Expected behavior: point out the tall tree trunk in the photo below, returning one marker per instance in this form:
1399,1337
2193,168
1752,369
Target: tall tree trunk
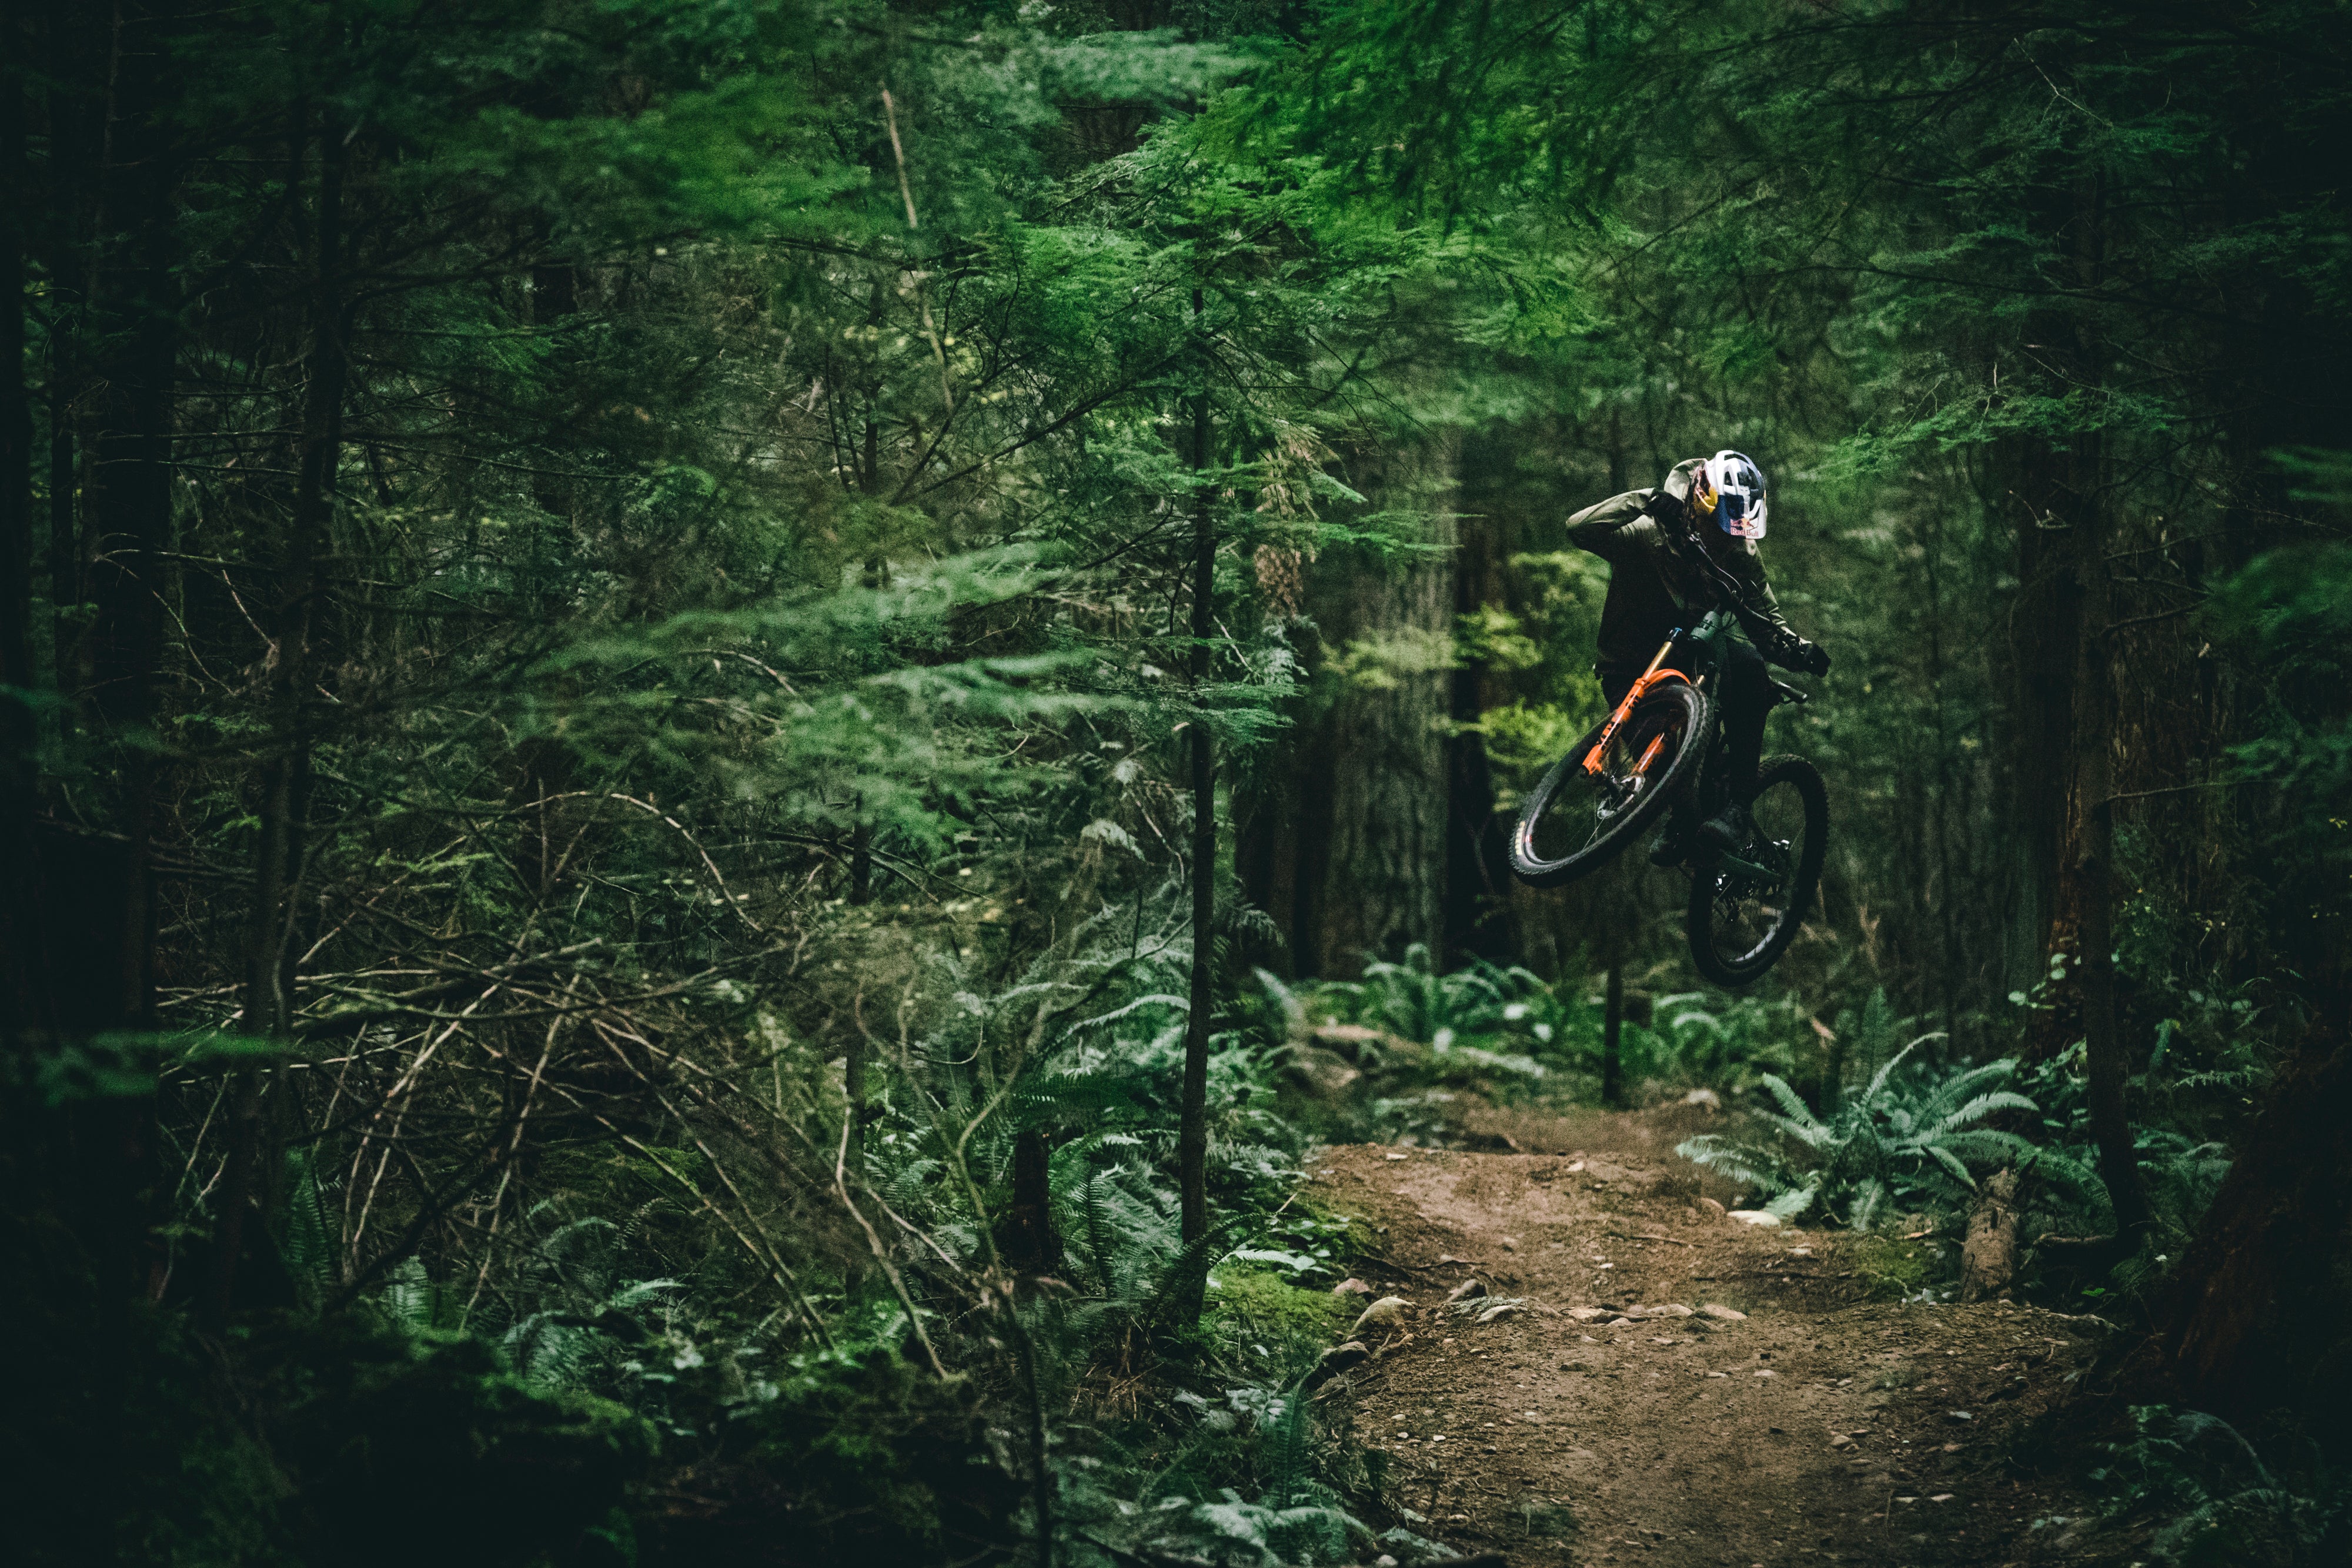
2244,1308
875,579
21,980
16,415
1193,1124
1026,1236
129,489
115,163
1374,815
75,59
2045,655
1478,922
268,1002
2107,1059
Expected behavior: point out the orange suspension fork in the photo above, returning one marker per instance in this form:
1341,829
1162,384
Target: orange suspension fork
1650,677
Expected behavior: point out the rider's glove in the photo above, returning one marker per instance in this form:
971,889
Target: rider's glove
1811,658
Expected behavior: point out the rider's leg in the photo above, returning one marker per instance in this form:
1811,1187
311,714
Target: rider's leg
1746,698
1746,693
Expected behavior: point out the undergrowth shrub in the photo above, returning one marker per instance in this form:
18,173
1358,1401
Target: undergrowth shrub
1412,1000
1701,1040
1910,1139
1283,1325
1500,1030
354,1440
2180,1172
1246,1479
2215,1500
369,1422
1892,1268
847,1458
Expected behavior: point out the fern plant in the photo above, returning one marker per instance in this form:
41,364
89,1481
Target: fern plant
1256,1435
306,1237
586,1313
1717,1043
1411,999
1907,1136
2221,1501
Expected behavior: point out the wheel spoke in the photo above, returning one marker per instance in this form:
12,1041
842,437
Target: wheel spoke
1577,820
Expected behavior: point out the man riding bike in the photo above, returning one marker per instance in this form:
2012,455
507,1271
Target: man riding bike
1673,553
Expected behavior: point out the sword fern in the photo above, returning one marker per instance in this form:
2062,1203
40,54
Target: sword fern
1907,1135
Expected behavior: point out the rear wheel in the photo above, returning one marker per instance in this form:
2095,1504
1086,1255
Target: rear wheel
1743,919
1575,822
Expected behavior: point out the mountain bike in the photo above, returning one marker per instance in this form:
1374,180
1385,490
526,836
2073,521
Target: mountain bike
1661,754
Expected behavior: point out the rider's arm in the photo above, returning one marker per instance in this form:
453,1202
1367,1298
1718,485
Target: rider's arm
1603,528
1756,593
1774,637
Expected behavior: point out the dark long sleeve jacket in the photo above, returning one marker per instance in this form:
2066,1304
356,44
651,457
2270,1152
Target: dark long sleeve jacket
1654,588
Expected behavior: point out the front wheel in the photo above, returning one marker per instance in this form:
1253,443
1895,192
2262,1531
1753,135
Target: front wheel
1746,908
1575,822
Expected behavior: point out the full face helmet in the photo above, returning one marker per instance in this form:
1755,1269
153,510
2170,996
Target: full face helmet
1729,488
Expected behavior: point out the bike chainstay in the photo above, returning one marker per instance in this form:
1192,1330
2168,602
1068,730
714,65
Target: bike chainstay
1755,875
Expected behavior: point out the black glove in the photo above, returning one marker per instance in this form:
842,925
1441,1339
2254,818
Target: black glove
1811,658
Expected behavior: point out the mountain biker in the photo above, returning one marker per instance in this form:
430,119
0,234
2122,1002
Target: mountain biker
1674,552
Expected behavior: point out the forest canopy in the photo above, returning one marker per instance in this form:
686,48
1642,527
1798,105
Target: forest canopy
725,727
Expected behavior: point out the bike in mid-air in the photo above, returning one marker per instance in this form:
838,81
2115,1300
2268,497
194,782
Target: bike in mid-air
1661,752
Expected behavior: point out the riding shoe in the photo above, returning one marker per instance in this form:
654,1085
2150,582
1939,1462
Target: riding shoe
1728,829
1671,846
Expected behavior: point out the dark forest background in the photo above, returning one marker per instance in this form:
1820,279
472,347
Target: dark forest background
692,686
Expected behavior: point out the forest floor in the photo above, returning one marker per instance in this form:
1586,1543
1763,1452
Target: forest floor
1822,1426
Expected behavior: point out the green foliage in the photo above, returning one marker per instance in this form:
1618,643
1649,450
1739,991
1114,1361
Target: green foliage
125,1453
2216,1500
380,1421
1909,1139
1463,1015
341,1427
2180,1170
865,1457
1892,1267
717,700
1271,1321
1726,1044
585,1314
1255,1432
2286,612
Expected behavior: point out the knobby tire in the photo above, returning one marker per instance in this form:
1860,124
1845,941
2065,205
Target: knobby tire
1674,703
1734,971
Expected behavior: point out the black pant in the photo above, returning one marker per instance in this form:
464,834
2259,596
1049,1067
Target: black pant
1744,692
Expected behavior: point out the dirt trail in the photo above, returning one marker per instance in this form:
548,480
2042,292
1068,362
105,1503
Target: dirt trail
1820,1428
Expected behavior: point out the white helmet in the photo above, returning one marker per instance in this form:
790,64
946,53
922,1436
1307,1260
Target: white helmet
1729,488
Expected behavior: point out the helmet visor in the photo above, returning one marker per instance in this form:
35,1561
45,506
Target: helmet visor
1739,512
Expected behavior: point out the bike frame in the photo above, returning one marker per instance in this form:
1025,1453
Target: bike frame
1704,639
1711,627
